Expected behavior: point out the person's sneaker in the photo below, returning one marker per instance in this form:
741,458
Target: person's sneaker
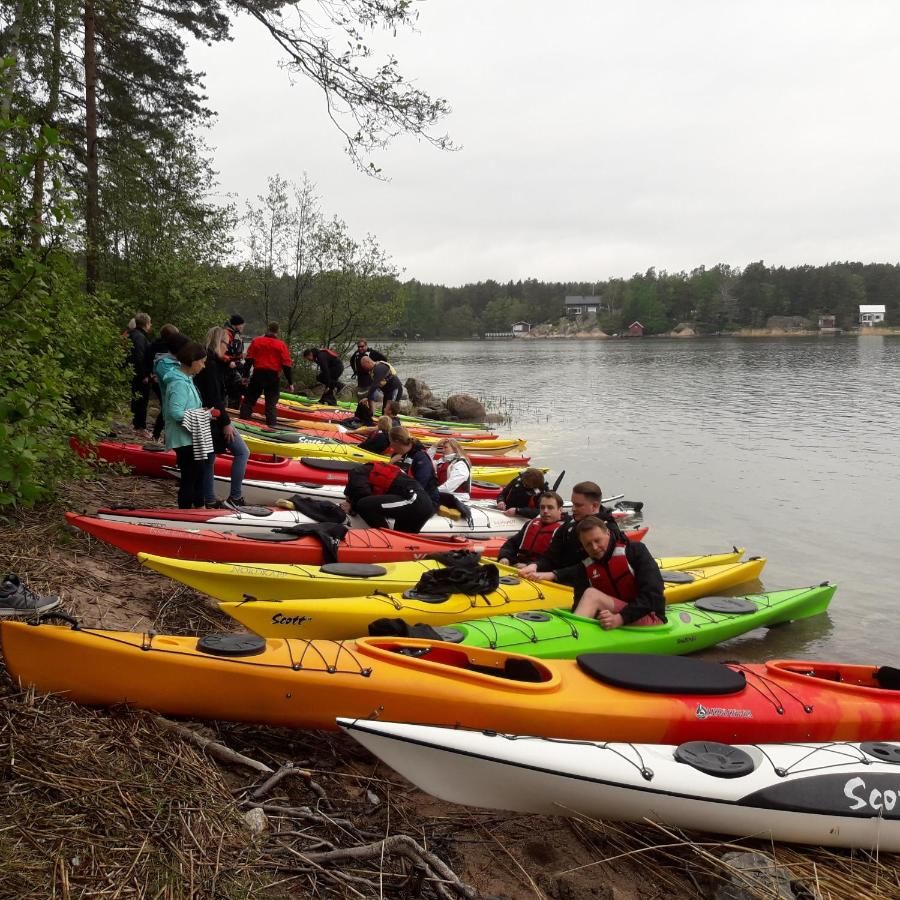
17,600
217,504
235,502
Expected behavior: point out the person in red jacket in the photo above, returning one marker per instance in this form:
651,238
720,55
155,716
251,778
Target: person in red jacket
618,582
269,357
533,539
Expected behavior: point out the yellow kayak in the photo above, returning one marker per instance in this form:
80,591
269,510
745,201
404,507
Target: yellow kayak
280,581
321,449
348,617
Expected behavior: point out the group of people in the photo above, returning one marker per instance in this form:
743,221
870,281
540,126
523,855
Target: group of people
615,581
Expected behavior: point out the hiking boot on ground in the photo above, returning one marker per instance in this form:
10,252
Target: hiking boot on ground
17,600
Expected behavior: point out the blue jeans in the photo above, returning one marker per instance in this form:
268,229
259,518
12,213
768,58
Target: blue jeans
240,453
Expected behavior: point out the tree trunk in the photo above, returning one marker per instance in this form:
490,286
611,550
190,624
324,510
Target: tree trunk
92,203
48,118
10,48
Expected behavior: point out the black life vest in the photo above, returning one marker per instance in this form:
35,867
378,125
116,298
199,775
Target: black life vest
536,540
613,576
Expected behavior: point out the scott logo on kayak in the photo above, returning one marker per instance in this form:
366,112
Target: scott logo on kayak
279,619
881,802
722,712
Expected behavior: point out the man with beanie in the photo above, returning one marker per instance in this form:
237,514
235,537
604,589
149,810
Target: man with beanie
269,356
234,356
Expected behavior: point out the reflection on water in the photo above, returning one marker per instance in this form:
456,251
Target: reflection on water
783,446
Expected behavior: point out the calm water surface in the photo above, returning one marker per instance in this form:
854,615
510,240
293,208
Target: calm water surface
784,446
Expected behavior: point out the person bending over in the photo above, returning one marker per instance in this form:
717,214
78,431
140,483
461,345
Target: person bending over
384,379
412,457
379,491
520,497
618,582
363,376
330,368
565,548
533,539
269,356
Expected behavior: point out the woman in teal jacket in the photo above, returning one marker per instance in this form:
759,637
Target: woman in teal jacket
179,396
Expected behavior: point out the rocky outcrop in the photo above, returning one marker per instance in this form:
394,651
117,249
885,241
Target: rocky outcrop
419,393
466,408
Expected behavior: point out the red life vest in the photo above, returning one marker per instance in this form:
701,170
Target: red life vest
615,576
536,540
442,468
382,476
330,352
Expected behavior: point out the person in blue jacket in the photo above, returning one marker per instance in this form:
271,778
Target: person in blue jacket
413,458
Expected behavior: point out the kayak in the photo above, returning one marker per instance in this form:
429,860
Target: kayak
350,616
702,623
263,468
492,452
836,794
315,447
359,545
255,519
336,428
272,581
307,684
299,402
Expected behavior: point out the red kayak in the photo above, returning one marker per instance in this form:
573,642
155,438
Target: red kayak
260,467
358,545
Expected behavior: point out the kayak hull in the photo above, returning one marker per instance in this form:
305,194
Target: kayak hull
297,582
308,684
820,794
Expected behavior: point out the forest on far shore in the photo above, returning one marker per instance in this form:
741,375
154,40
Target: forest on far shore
719,299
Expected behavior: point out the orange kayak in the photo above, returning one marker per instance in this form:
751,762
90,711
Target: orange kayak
307,684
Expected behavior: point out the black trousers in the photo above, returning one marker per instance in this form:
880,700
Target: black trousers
140,397
190,490
409,513
262,381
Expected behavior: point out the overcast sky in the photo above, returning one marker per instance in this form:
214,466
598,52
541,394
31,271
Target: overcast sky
599,139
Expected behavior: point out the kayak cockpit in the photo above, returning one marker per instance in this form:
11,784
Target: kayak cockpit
880,678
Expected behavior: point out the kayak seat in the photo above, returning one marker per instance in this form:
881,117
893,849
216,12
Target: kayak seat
880,750
661,674
232,644
154,448
259,512
731,605
273,537
329,465
888,677
488,485
673,576
713,758
425,597
353,570
514,669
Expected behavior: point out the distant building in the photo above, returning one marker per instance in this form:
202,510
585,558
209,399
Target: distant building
871,314
521,327
582,306
635,329
826,323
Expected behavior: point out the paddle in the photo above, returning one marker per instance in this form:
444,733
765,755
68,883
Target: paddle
558,481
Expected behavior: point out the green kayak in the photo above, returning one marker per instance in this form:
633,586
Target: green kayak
556,634
416,420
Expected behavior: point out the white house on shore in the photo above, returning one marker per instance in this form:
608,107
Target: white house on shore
521,327
871,314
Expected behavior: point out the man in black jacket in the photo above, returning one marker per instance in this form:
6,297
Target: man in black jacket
376,491
330,369
140,380
363,376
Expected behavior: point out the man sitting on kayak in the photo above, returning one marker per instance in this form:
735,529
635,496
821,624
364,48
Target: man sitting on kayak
533,539
378,491
521,496
618,582
565,549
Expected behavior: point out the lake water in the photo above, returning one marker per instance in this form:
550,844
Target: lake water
784,446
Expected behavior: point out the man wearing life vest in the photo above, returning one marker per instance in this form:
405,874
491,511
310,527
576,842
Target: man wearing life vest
234,358
378,491
384,379
329,372
533,540
521,496
618,582
364,377
565,549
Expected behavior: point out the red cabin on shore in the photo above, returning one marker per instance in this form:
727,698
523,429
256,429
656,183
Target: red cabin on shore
635,329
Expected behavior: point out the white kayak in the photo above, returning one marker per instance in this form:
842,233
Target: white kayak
486,523
836,794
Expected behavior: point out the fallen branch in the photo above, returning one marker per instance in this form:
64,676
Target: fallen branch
213,748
